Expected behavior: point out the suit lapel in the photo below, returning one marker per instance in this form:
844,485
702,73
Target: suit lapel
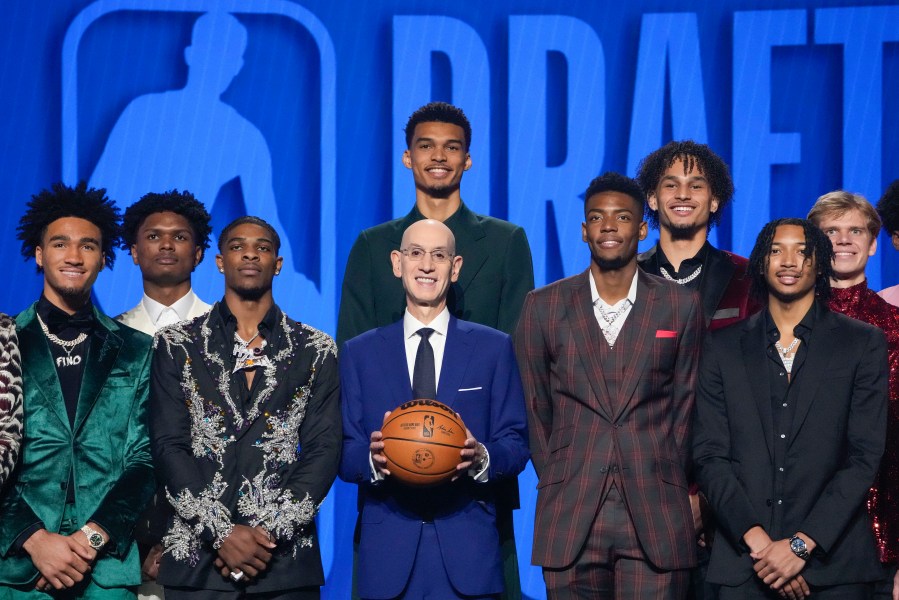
719,270
396,369
469,239
38,369
102,352
639,333
753,344
820,351
587,337
458,346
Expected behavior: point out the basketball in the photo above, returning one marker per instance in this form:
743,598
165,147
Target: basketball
422,440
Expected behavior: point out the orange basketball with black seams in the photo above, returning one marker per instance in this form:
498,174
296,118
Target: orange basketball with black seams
422,442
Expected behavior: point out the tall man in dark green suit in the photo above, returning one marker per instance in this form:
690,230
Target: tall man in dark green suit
498,269
85,470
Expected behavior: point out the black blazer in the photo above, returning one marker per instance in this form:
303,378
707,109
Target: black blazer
833,453
220,466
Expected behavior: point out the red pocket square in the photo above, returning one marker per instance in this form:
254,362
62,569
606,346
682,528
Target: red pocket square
664,333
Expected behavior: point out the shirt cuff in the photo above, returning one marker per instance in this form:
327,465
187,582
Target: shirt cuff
19,543
376,475
479,472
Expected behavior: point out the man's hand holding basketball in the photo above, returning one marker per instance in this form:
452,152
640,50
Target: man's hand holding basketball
376,447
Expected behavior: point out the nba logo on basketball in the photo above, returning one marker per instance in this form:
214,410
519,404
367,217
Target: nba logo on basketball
427,427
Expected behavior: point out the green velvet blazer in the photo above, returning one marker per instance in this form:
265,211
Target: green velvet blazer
107,451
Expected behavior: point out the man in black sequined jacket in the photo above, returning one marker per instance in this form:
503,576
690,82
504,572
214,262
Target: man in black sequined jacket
246,435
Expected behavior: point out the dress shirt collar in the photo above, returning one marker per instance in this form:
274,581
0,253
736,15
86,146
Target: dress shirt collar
594,295
181,306
802,330
266,326
440,323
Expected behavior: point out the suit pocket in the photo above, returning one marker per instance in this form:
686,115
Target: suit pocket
556,469
672,472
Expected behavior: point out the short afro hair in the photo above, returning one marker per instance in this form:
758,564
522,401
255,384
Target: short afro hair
181,203
438,112
62,201
888,207
616,182
223,236
817,245
694,156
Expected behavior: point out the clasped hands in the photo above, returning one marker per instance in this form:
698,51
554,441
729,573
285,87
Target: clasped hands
777,565
245,553
62,560
473,453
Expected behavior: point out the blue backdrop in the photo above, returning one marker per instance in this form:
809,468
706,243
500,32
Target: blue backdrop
294,111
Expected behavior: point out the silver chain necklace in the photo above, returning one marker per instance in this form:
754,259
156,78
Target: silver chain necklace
784,352
682,280
69,346
611,318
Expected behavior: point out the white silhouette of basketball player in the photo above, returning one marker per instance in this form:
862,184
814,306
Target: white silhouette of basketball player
191,140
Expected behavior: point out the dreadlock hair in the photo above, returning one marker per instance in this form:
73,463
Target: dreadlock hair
817,246
439,112
62,201
223,236
181,203
616,182
698,157
888,207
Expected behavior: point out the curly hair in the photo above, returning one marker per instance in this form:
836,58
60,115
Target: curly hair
817,246
439,112
694,156
888,207
181,203
64,201
616,182
223,236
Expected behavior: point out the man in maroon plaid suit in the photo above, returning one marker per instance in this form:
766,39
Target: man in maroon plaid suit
608,360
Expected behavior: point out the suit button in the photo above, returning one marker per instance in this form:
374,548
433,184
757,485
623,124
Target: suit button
615,469
768,502
602,469
63,485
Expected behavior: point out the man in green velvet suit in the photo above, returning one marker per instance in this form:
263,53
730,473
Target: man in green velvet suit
85,470
498,271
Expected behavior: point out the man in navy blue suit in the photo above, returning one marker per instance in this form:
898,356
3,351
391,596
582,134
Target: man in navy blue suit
436,542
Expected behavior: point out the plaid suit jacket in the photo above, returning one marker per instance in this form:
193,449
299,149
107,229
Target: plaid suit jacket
579,434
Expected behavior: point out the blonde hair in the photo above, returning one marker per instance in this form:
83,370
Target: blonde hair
840,202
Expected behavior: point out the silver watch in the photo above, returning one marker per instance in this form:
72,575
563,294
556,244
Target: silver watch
94,537
797,545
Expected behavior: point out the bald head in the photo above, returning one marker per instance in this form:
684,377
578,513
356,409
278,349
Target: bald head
432,231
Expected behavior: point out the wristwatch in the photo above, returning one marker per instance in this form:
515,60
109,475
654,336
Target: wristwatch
94,537
797,545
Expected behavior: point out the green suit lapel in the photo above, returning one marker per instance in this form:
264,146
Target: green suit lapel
101,356
469,233
38,368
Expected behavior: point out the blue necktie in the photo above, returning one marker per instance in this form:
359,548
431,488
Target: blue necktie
424,375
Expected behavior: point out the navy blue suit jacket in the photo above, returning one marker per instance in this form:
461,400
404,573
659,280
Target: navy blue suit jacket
478,379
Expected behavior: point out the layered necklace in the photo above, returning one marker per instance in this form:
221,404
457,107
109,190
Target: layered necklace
682,280
246,357
67,346
786,352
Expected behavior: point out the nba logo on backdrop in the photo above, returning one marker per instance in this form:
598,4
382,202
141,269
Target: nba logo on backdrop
232,100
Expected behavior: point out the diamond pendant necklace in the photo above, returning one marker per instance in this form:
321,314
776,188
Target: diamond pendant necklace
784,353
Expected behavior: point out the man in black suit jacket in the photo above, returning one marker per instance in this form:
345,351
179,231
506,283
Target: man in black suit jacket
790,428
246,433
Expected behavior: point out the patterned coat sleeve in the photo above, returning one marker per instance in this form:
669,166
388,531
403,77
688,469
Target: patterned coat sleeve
10,397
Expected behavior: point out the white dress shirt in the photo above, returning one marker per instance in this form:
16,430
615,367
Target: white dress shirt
162,315
411,325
